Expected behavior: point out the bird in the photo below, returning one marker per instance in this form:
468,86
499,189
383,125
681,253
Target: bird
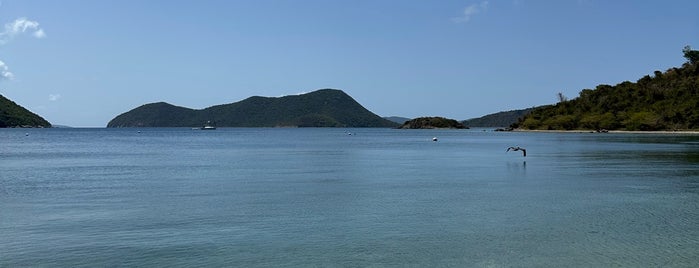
517,148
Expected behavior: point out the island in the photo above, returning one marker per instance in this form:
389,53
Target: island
432,123
320,108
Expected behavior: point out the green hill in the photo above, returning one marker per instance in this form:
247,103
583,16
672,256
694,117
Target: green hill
13,115
500,119
321,108
665,101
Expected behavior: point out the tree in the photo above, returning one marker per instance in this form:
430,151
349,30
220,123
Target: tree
691,55
561,97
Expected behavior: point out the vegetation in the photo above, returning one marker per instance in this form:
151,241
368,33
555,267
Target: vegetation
322,108
665,101
501,119
692,56
432,122
13,115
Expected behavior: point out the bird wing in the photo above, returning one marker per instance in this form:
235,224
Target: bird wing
524,152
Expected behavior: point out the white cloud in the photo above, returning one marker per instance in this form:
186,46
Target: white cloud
470,11
19,26
5,73
54,97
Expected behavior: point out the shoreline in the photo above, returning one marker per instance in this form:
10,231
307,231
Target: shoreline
694,132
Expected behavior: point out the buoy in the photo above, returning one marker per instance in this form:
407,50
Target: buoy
434,139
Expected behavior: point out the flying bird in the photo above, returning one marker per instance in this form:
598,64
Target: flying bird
513,148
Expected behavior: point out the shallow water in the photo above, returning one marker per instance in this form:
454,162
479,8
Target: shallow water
322,197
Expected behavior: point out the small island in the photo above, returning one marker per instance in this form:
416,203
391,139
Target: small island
432,123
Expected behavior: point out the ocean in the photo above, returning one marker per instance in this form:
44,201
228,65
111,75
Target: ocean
333,197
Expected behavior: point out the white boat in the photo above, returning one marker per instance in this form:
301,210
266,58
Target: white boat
208,126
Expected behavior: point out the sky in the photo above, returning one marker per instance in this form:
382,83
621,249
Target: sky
81,63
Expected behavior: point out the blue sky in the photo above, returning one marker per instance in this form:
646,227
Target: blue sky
81,63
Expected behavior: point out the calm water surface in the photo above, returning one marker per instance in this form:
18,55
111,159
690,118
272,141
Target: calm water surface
324,198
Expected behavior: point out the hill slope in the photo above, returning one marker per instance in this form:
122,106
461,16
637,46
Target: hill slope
13,115
500,119
666,101
321,108
397,119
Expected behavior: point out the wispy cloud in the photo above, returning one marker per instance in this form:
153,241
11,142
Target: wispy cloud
5,73
470,11
20,26
54,97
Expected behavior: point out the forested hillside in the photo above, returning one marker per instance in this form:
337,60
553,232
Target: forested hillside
13,115
663,101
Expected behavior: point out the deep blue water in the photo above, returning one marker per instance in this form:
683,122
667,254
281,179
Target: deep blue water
244,197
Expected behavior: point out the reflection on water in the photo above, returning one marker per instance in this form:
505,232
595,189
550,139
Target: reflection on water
517,169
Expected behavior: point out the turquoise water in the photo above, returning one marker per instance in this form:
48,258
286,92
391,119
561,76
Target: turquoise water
324,198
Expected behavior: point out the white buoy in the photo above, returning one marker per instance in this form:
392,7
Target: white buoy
434,139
